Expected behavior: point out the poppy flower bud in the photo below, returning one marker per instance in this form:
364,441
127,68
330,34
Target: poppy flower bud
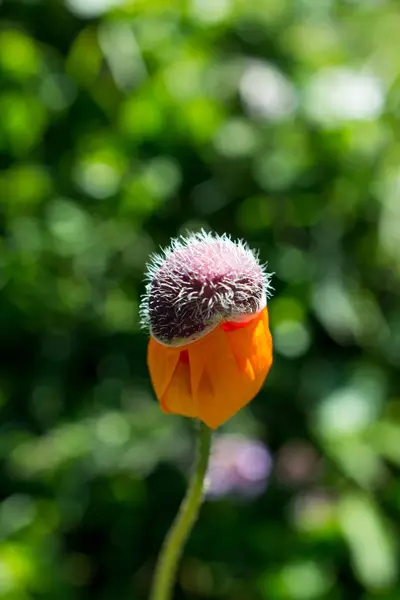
198,283
205,307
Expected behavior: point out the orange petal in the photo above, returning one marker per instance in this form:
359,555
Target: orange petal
162,362
178,397
233,366
216,376
253,358
170,376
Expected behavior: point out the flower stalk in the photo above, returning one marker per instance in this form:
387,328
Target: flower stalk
171,551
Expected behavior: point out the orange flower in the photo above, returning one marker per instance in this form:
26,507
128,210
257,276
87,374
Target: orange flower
216,376
210,348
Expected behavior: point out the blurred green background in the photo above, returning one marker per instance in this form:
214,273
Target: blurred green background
123,124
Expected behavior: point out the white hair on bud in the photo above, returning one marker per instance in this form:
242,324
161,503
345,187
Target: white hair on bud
198,282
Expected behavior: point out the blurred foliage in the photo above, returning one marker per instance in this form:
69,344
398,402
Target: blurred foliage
125,123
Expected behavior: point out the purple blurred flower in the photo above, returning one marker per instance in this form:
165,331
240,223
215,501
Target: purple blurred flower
238,465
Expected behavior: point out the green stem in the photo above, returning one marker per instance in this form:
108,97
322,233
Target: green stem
164,577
